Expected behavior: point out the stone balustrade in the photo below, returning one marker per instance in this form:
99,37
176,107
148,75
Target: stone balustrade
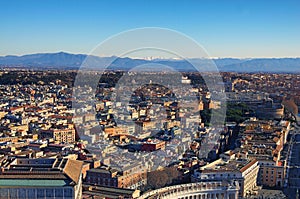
201,190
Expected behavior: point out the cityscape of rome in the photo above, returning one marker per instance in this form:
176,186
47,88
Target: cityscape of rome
141,110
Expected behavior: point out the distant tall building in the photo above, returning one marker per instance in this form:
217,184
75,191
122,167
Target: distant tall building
269,110
60,133
132,177
185,80
242,171
41,178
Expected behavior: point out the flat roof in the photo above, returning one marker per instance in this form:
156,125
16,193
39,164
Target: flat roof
99,170
109,192
32,183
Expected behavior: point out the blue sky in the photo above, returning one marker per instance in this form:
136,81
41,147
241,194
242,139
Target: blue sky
234,28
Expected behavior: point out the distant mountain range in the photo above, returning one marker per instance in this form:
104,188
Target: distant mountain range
66,61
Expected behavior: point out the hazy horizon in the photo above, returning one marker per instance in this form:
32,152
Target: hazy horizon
146,58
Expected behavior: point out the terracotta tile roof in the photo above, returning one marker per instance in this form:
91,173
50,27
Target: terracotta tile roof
73,169
275,139
247,166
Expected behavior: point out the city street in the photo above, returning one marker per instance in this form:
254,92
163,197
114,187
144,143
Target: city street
293,172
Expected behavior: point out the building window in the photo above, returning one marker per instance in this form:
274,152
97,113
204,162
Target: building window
49,193
41,193
31,193
68,193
